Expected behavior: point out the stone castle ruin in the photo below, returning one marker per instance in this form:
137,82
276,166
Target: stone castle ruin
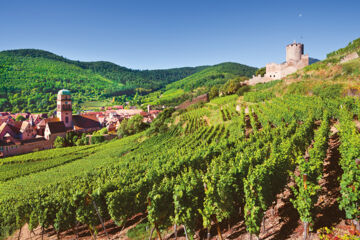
295,60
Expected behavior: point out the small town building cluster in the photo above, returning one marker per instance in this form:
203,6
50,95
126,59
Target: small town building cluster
38,131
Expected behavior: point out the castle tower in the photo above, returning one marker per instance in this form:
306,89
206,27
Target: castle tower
64,107
294,51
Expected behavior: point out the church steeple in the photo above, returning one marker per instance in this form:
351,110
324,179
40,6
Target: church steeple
64,107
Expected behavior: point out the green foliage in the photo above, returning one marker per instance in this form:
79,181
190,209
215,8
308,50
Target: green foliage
350,154
132,126
188,199
160,123
223,100
298,88
263,86
242,90
306,197
328,91
261,71
59,142
139,232
101,132
97,139
161,207
232,85
20,118
214,92
258,96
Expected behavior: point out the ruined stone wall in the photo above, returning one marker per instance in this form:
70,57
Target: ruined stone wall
349,57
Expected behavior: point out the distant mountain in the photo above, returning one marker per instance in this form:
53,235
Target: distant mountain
30,78
313,60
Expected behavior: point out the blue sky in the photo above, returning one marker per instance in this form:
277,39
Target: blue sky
154,34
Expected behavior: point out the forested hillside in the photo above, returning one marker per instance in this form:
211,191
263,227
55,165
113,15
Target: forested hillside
30,79
277,162
200,82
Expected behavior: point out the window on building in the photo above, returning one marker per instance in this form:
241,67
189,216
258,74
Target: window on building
66,119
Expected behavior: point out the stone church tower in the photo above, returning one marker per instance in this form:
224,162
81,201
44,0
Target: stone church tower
64,108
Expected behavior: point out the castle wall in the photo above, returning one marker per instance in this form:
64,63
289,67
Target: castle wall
295,60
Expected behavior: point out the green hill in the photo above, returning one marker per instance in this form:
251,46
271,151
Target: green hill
200,82
29,79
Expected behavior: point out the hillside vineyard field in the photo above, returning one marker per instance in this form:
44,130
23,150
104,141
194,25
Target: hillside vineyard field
188,176
214,165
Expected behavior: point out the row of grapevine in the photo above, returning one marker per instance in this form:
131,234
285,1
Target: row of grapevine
306,191
265,180
349,162
193,124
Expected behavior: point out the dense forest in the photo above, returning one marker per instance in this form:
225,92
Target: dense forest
30,79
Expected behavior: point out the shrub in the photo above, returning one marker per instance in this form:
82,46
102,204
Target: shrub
131,126
241,91
160,124
97,139
59,142
261,71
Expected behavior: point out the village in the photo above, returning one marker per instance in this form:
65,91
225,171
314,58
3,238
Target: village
22,133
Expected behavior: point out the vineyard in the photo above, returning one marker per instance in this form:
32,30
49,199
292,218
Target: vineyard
223,161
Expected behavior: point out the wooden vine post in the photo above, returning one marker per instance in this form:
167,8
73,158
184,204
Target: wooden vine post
305,180
175,231
89,200
306,224
218,228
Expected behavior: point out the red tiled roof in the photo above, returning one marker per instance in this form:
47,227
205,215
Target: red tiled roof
56,127
43,122
84,121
